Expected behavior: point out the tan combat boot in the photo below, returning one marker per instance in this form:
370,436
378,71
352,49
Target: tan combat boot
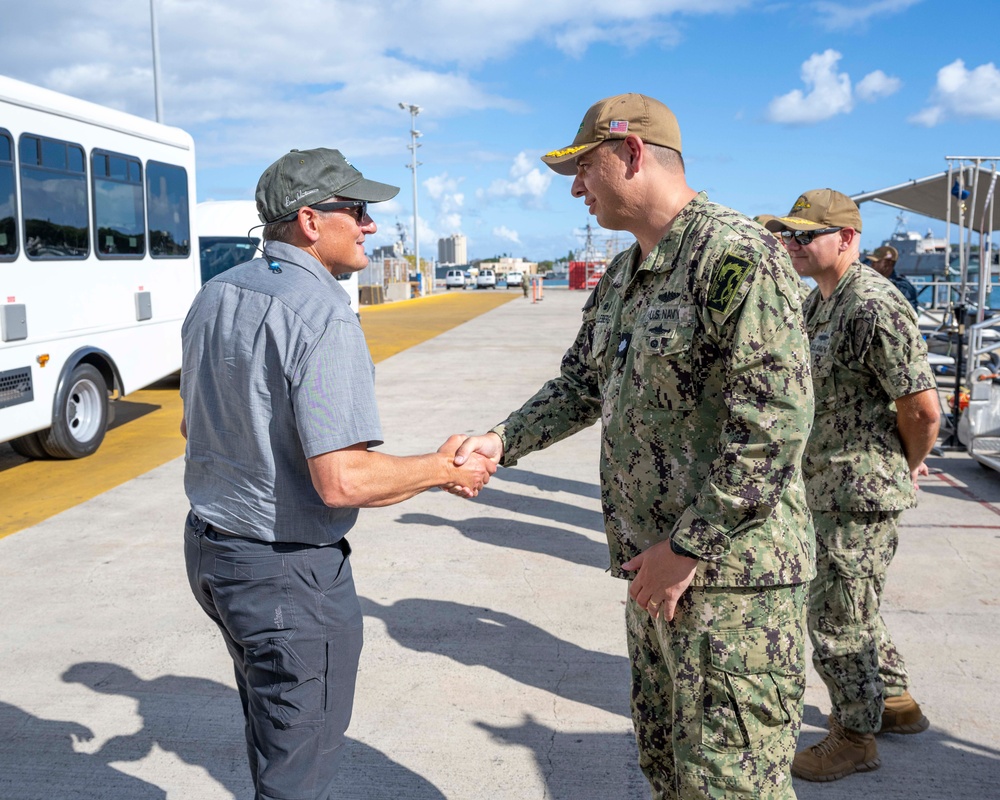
841,753
903,715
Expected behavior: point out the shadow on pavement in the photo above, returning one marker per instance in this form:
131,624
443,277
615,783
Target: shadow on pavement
179,715
543,539
551,510
38,762
523,652
170,706
548,483
929,765
127,411
577,765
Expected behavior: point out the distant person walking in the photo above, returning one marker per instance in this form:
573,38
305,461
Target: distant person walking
280,416
693,355
876,420
883,261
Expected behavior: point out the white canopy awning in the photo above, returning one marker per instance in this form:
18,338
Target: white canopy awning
932,197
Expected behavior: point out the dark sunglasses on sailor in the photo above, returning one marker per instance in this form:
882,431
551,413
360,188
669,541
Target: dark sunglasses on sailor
360,208
806,237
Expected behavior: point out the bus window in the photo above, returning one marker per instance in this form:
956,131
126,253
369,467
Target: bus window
219,253
118,206
54,198
8,228
169,215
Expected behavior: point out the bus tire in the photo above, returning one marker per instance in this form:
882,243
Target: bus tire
29,446
81,415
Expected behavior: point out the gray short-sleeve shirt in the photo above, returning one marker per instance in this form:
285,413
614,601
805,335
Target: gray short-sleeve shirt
275,371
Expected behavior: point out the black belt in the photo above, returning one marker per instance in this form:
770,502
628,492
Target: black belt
341,544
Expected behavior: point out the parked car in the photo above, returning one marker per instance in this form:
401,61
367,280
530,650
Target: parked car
514,279
487,279
454,279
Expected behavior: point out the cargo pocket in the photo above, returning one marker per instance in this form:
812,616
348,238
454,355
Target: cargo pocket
752,684
293,693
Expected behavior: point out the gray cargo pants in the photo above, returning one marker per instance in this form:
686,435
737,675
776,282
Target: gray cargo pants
291,619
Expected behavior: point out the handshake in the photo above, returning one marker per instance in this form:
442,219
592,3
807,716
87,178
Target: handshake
471,462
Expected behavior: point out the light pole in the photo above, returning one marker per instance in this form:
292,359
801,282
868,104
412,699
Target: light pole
412,147
156,61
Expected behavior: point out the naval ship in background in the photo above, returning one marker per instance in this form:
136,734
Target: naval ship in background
919,256
959,314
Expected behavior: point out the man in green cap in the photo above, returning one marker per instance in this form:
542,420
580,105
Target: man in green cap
883,261
877,414
693,355
280,419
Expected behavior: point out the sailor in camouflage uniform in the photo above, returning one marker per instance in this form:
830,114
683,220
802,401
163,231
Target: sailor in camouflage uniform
693,354
861,465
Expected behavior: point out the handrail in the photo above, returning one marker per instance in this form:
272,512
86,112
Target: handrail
944,294
976,346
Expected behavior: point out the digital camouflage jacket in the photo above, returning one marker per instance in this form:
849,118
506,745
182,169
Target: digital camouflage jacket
697,364
866,351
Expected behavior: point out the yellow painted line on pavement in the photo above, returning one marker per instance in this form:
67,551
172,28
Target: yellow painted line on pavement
146,435
394,327
146,432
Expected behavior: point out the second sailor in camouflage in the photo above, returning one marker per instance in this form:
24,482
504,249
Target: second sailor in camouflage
876,419
693,355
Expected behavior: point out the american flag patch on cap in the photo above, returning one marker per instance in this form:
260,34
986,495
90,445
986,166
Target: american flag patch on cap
618,126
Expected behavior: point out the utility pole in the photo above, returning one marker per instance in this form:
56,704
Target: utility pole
412,147
156,61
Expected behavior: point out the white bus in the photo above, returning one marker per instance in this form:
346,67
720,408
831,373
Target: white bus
225,240
97,268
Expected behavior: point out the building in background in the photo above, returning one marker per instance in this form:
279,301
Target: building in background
453,250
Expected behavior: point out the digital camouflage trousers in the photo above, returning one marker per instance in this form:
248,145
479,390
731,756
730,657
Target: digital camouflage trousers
852,649
717,692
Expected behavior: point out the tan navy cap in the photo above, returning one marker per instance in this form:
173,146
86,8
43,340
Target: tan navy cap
818,208
615,118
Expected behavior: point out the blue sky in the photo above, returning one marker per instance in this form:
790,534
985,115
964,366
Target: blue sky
773,98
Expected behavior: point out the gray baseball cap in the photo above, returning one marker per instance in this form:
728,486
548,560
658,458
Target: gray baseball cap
305,177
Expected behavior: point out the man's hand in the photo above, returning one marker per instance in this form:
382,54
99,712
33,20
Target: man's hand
489,445
472,472
452,444
663,576
920,471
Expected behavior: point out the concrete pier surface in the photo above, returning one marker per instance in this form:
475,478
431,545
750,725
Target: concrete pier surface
494,663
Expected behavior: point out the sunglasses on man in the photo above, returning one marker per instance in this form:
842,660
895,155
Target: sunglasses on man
806,237
360,208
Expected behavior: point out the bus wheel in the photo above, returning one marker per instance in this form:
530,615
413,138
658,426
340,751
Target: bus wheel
29,446
81,416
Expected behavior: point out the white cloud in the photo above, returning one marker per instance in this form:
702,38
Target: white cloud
527,183
829,93
439,186
503,232
576,39
876,85
380,52
450,222
448,201
841,16
961,92
928,117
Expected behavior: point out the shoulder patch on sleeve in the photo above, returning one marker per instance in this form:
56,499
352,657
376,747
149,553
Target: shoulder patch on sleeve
728,278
